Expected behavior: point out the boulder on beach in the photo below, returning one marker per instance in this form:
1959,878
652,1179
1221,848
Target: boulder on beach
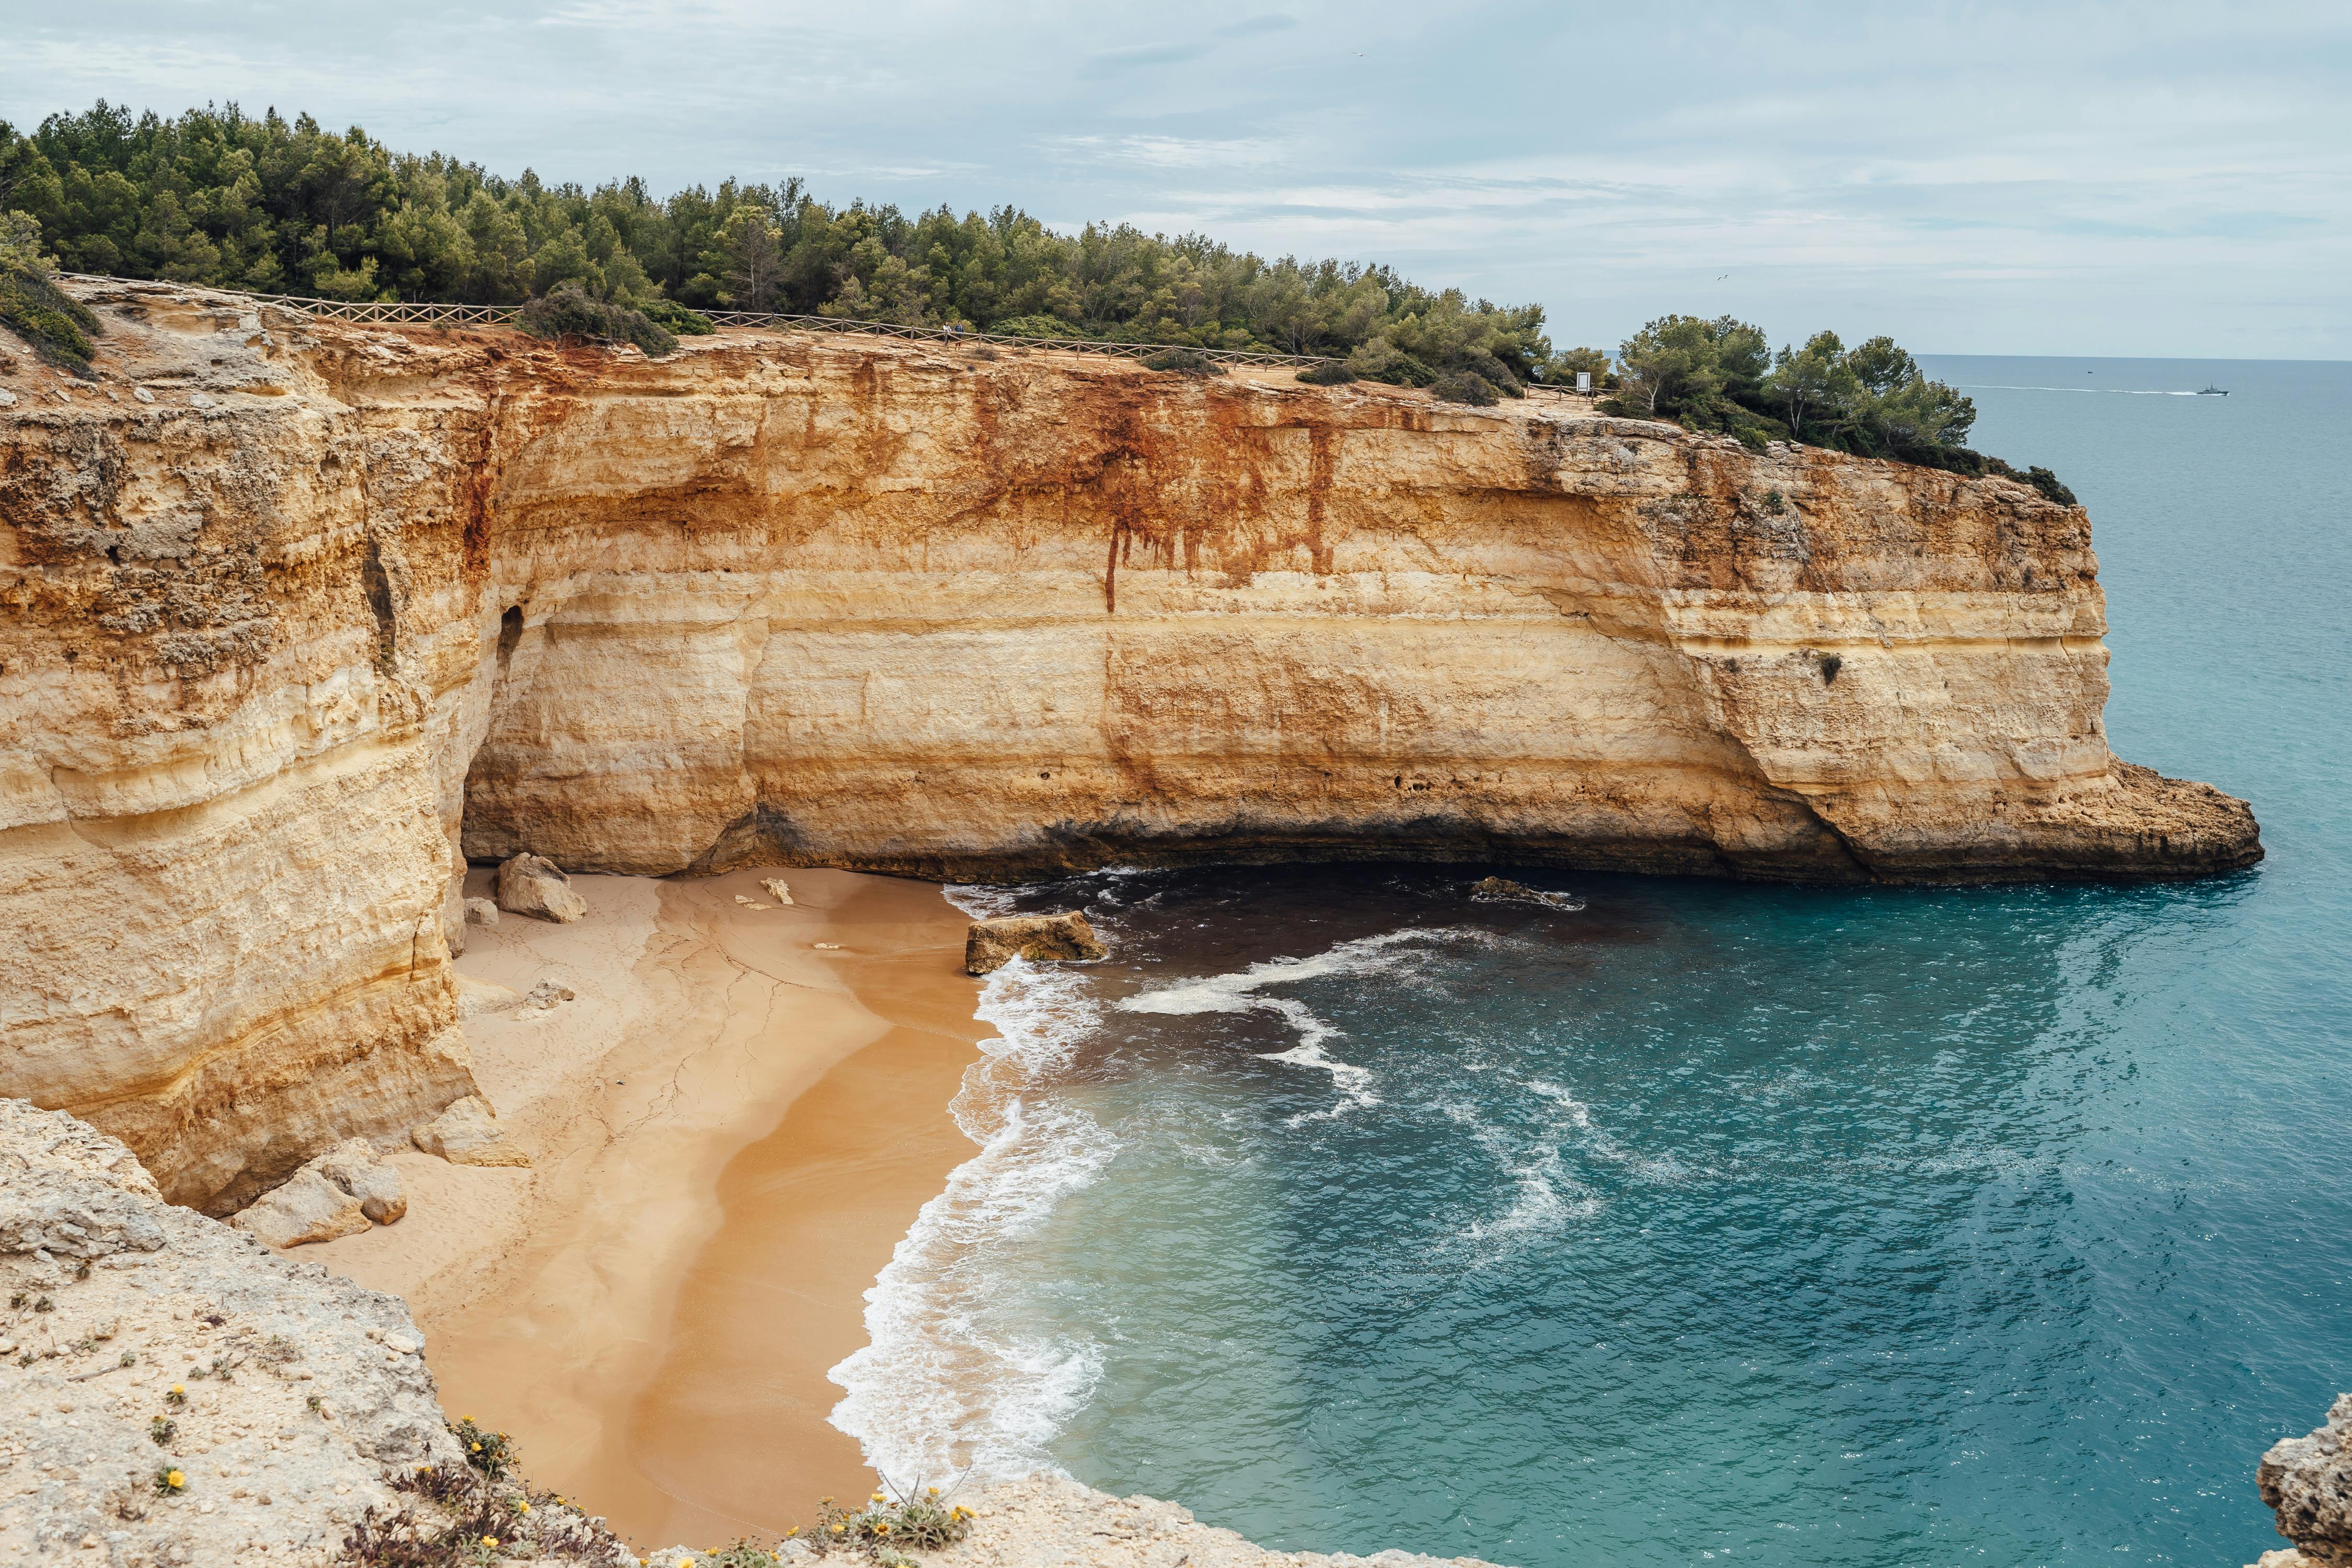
355,1166
991,944
481,912
530,885
468,1134
305,1207
340,1192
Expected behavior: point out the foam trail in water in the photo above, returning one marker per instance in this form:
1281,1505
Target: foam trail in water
1239,993
942,1386
2109,391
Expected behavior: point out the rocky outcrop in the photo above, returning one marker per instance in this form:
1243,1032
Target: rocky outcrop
340,606
1049,1520
301,1397
529,885
2308,1480
1503,890
991,944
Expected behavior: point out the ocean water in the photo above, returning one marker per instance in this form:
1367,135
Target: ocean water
1689,1221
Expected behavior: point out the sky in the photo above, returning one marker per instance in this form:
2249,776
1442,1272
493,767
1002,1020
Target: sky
2131,179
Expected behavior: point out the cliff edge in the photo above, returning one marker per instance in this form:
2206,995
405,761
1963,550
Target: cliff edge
295,615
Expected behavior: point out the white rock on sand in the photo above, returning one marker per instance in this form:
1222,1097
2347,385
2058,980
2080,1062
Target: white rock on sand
468,1134
777,890
529,885
305,1207
340,1192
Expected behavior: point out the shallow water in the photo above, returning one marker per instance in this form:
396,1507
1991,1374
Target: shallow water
1711,1221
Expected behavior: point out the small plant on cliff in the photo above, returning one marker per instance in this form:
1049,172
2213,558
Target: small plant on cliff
912,1521
161,1430
1331,373
568,311
171,1483
492,1453
56,324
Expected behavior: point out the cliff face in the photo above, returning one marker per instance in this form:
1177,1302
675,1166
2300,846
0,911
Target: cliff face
340,604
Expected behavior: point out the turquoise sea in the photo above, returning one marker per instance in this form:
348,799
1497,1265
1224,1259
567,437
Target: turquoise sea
1706,1221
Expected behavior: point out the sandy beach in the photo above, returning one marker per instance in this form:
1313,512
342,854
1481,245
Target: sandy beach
730,1126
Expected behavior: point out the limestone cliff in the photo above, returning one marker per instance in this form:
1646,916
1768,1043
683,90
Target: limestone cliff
294,612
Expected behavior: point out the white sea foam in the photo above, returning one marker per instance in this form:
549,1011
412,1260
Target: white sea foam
1239,993
943,1385
950,1380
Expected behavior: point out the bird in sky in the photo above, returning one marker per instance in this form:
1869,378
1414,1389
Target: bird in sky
1720,279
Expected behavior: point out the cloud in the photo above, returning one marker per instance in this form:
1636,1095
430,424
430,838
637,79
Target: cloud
2010,175
1133,56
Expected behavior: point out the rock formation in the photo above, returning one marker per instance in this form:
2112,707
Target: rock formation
468,1134
292,1406
529,885
2309,1481
295,616
324,1403
1503,890
340,1192
991,944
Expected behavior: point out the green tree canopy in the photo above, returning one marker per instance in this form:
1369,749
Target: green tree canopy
218,197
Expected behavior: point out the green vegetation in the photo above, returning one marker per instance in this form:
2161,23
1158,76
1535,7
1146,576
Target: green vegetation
568,311
1872,400
1184,361
218,197
33,306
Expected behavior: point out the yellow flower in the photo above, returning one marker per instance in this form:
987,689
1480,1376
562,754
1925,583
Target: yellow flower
932,1490
879,1497
179,1388
175,1480
491,1541
526,1507
478,1447
881,1527
839,1528
792,1532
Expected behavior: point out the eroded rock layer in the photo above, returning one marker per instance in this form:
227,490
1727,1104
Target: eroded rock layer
293,615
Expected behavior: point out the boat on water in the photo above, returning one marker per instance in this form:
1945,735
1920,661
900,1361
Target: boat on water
2210,390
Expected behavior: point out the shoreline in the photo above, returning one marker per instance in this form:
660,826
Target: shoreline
651,1310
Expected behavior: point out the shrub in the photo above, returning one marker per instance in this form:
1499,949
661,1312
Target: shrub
568,311
918,1523
492,1453
1331,373
1466,387
674,317
1184,362
56,325
2045,482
